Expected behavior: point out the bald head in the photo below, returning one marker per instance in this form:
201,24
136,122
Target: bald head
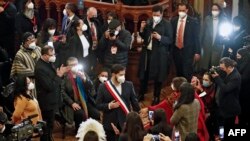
91,12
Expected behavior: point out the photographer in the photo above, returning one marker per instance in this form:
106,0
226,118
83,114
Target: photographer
115,43
227,95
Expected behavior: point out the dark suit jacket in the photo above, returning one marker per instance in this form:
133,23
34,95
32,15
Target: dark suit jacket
47,86
69,30
191,37
122,43
116,116
228,95
159,60
76,47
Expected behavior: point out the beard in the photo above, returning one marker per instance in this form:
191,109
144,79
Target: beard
29,13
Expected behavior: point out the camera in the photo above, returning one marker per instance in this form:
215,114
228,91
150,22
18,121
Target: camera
113,32
26,129
155,138
214,69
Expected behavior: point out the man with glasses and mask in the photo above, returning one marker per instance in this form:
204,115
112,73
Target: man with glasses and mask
48,81
78,91
154,61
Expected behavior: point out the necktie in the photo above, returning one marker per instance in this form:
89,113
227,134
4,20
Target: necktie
180,35
93,35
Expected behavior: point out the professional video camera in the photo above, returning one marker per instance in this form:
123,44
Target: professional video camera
214,69
26,129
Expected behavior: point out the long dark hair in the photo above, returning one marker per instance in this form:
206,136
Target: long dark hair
48,23
134,127
187,95
160,123
21,87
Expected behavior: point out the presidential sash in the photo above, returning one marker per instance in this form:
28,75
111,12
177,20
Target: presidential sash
115,94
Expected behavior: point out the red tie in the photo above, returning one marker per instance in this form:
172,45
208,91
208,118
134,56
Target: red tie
93,35
179,43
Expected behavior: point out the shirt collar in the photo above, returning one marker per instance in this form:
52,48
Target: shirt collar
70,18
184,19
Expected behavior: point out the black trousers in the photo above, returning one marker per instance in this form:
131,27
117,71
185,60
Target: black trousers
49,118
183,63
79,116
144,82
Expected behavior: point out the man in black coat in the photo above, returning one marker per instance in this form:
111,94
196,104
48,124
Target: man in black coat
115,43
7,23
186,47
154,61
113,114
227,94
48,82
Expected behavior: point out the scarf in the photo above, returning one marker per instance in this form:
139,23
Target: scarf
79,92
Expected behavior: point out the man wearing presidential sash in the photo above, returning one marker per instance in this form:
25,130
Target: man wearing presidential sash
115,98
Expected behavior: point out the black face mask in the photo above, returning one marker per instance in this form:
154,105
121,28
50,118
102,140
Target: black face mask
92,19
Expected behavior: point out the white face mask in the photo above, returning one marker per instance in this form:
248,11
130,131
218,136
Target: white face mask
30,5
156,19
84,27
64,12
172,86
74,69
121,79
215,13
236,28
182,14
51,32
52,59
32,45
108,21
31,86
103,79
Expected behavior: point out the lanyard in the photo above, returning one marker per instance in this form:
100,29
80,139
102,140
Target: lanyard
6,5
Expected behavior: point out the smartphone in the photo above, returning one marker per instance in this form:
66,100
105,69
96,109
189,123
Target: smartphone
176,135
150,115
221,132
156,138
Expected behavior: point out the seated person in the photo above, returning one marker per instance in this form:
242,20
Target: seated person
77,91
25,104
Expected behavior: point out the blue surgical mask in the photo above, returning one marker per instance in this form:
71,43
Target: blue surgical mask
205,83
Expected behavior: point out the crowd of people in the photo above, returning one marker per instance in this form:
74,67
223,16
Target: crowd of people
54,73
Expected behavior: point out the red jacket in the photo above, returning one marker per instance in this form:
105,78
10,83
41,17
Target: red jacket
167,105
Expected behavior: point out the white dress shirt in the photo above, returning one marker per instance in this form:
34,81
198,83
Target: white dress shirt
85,45
215,28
